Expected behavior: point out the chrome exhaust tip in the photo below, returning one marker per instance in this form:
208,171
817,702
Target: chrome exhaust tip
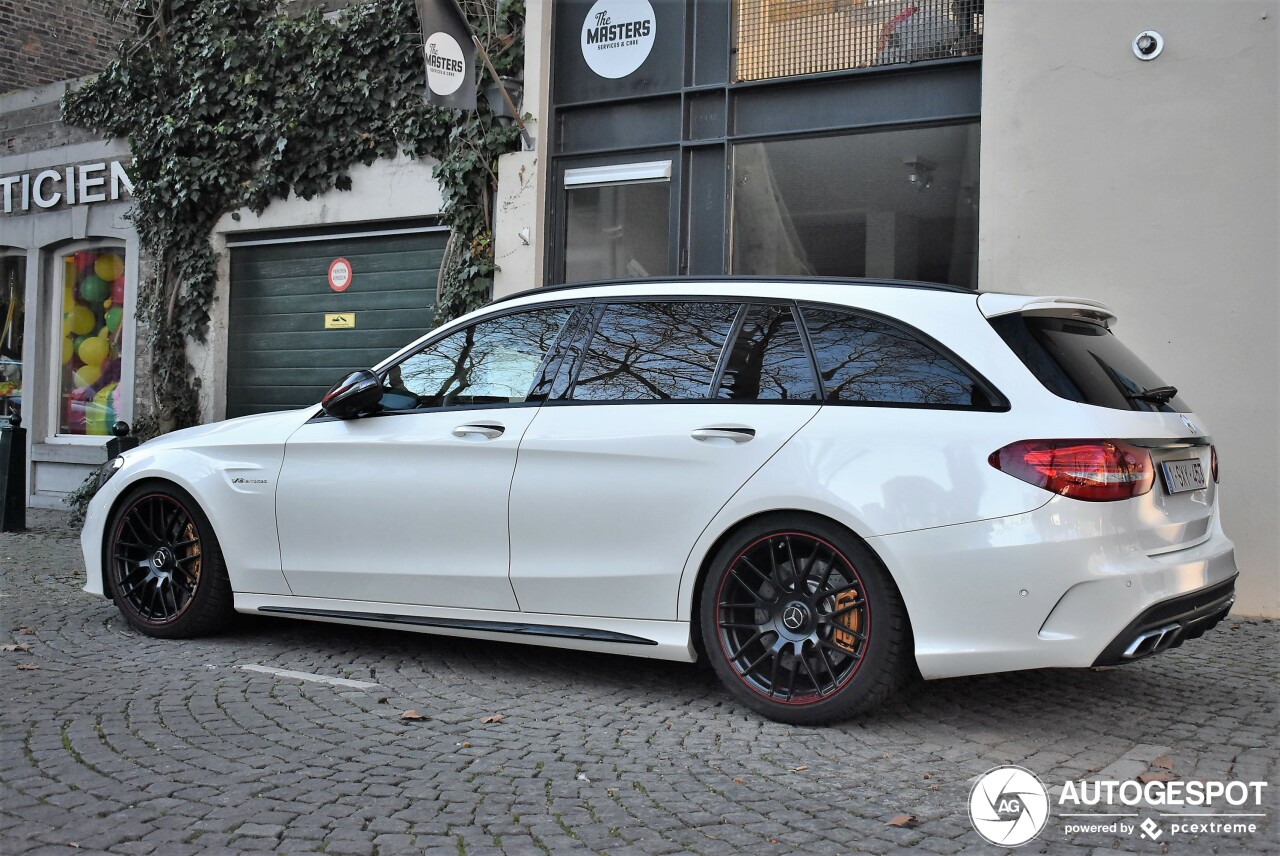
1152,642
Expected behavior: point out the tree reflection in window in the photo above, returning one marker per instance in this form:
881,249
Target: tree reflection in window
862,359
768,361
494,361
646,351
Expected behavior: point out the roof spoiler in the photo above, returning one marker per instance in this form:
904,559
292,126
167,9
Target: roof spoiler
992,304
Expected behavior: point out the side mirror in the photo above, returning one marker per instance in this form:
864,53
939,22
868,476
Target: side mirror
357,394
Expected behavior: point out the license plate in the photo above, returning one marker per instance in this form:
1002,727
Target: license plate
1182,476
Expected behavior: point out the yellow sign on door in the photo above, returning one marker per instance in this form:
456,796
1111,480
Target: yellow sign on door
340,321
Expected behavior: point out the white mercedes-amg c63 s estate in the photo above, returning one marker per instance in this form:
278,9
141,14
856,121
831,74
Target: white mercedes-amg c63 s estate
817,485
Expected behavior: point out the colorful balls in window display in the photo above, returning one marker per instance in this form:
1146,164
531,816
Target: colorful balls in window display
85,376
94,349
81,321
84,260
68,350
117,291
113,317
94,290
109,266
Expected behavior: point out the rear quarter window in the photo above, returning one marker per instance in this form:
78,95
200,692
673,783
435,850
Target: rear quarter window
1082,360
864,359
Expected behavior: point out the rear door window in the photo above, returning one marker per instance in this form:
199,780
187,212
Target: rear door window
768,360
868,360
664,351
1083,361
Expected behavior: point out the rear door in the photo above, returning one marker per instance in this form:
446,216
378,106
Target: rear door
668,409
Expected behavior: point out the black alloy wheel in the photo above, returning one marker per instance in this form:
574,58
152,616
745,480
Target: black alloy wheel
802,623
165,566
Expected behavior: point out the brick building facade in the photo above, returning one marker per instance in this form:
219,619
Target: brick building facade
47,41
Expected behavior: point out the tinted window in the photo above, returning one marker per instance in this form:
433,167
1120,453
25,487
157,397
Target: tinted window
866,360
495,361
644,351
768,360
1082,361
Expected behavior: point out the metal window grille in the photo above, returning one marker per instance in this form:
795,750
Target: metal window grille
783,38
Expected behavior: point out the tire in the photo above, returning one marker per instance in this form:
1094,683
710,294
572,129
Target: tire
163,565
802,622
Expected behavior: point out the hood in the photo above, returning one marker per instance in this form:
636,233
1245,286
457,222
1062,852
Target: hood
260,429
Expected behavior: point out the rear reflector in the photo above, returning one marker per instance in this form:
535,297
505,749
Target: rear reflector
1091,470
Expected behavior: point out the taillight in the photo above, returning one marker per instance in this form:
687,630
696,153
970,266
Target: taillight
1092,470
1213,462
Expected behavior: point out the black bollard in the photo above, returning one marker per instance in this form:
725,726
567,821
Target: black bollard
13,475
121,442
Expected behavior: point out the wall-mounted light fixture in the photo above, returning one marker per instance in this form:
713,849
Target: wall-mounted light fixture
920,173
503,108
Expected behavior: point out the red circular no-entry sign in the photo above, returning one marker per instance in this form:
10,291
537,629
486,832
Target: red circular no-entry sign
340,274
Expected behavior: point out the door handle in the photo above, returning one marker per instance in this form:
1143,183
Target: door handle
489,431
733,433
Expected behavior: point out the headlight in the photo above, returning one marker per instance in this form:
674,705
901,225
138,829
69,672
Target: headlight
110,468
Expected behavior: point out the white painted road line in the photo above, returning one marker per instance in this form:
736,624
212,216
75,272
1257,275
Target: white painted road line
306,676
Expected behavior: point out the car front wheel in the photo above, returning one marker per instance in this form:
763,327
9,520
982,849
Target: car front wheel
802,622
164,564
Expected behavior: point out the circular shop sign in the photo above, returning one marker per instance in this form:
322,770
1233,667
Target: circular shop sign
1008,806
446,66
617,36
339,274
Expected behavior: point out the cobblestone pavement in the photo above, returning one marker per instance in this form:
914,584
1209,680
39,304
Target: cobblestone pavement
113,742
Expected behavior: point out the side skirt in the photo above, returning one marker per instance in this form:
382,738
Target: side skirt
462,624
652,639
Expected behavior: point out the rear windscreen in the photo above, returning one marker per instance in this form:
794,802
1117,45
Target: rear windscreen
1083,361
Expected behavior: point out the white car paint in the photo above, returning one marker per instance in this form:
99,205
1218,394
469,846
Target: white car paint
615,509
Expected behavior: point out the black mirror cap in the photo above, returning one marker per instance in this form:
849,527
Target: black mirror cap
355,395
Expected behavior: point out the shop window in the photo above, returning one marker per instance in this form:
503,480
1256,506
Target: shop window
899,204
617,221
782,38
13,279
92,334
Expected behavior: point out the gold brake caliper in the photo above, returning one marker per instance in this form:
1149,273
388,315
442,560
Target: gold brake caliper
851,620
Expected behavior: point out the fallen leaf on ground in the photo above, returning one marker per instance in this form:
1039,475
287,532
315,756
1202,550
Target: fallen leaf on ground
1163,763
412,715
490,720
383,700
903,821
27,667
21,646
1158,777
26,630
800,769
582,777
465,744
737,781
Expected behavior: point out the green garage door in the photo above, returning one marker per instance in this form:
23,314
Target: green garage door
291,335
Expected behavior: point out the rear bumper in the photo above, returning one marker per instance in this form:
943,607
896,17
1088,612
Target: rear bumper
1058,587
1167,625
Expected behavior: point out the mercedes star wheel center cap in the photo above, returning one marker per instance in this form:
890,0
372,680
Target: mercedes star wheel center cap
794,616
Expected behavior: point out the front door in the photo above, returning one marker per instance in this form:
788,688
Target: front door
410,505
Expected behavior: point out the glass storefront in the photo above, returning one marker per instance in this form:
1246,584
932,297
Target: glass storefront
92,339
898,204
12,302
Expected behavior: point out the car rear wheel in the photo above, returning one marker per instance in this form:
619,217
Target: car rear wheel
164,565
802,622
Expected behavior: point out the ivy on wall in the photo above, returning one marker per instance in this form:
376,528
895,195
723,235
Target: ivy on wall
229,104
